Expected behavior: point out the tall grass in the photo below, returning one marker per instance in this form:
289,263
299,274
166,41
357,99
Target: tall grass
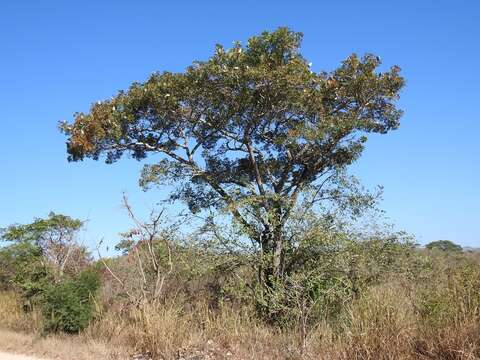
14,314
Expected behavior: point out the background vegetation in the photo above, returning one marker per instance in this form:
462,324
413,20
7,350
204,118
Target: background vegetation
169,296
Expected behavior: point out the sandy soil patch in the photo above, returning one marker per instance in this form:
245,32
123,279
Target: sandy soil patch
6,356
34,347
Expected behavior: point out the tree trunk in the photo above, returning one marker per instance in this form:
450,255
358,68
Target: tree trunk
273,251
278,254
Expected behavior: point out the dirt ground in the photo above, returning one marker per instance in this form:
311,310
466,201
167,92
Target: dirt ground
35,347
6,356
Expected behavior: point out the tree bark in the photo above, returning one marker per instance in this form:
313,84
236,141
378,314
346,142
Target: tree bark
278,254
273,250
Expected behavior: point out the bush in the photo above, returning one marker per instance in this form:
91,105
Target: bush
69,306
23,269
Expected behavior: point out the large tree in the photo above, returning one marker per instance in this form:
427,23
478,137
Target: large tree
250,131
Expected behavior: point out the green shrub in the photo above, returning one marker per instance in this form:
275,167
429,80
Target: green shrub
23,269
332,271
69,305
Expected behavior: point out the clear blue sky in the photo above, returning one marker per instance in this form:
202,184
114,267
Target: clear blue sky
57,57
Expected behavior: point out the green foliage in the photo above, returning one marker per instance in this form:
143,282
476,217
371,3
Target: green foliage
184,268
23,268
66,303
444,245
53,238
40,229
252,131
330,270
43,263
69,306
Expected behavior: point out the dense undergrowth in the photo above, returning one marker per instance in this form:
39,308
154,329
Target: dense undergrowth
379,298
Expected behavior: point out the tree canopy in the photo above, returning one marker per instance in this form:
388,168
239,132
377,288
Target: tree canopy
53,238
444,245
250,131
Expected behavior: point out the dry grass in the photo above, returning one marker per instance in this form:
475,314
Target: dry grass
382,324
388,321
14,317
385,324
20,333
167,332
